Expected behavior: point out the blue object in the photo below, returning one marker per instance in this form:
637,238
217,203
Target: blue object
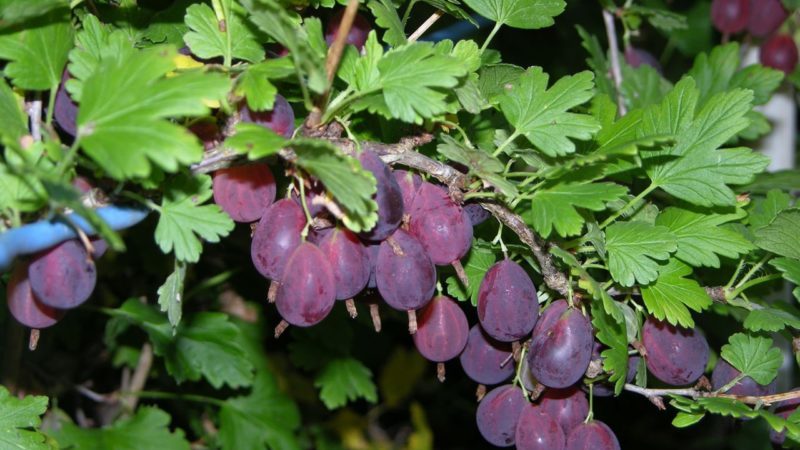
41,235
457,31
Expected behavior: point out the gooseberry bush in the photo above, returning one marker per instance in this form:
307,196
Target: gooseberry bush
248,224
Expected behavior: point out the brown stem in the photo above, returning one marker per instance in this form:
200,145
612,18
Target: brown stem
516,350
337,48
351,308
282,326
375,313
412,321
425,25
139,378
395,246
332,62
460,272
33,341
480,392
440,371
537,391
695,393
272,293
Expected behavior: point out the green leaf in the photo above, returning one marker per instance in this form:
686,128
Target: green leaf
771,319
719,71
476,263
13,122
762,211
541,114
713,71
597,62
526,14
453,8
184,220
386,17
726,407
791,272
255,140
480,163
254,83
590,284
207,40
149,428
167,26
492,80
412,77
780,236
557,206
754,356
15,12
343,380
763,81
694,169
684,419
672,295
204,344
343,176
20,419
121,119
93,42
264,418
662,19
782,180
700,238
170,294
37,54
634,249
274,19
643,86
614,335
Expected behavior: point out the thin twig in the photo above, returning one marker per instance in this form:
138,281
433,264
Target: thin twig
336,50
425,25
139,377
332,61
613,46
694,393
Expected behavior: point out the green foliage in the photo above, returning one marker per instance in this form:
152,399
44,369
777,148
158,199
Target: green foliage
149,428
205,344
527,14
672,295
121,122
254,140
37,55
700,237
694,169
207,39
476,264
170,294
264,417
634,249
632,198
343,380
556,207
19,420
184,219
779,236
754,356
541,114
344,178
